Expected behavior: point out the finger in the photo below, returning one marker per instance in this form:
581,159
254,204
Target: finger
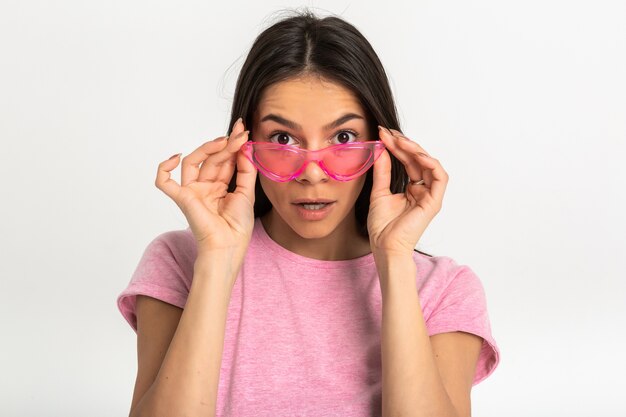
401,135
427,175
433,174
246,177
227,167
391,144
163,178
190,167
238,127
382,176
409,145
418,171
213,165
404,154
213,168
437,176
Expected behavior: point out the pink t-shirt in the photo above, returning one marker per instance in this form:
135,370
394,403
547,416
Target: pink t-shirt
303,335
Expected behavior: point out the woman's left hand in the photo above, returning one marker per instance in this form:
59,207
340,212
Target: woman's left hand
397,221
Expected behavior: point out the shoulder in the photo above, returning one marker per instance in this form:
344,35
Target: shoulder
164,272
176,239
453,299
444,283
178,244
168,255
440,271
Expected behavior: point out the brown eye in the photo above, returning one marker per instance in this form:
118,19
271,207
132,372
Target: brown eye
344,136
281,138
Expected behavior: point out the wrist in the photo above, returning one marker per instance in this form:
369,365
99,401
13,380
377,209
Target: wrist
385,258
395,269
232,255
217,266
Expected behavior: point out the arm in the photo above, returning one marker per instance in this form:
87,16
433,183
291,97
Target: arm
222,222
186,384
422,376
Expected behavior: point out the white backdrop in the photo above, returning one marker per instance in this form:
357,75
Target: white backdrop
524,103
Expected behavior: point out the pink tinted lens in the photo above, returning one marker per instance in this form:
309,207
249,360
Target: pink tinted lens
346,161
280,161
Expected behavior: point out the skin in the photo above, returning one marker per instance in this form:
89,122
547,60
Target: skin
334,237
422,375
223,220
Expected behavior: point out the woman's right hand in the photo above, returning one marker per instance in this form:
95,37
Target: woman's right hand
218,219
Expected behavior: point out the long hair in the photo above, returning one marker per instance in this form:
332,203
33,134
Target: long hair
331,49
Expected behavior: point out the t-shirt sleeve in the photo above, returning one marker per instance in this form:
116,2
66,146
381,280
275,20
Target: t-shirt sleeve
463,307
161,274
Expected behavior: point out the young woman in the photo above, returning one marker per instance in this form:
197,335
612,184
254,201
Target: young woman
296,289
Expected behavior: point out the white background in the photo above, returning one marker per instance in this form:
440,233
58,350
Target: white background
524,104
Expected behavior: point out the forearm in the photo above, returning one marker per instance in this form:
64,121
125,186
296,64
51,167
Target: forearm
411,382
187,382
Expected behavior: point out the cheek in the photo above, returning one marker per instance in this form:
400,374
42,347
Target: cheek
272,189
353,189
358,185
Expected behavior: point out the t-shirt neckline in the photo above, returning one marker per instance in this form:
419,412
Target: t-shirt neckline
278,250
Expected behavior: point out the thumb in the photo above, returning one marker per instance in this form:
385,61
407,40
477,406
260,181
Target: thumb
246,176
382,176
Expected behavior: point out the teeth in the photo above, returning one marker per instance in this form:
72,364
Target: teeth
314,206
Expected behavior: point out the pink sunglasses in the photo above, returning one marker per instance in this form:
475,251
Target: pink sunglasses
342,162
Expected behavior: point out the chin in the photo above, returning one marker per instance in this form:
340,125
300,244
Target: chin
311,229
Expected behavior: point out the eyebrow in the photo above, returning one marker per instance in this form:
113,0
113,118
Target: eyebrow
293,125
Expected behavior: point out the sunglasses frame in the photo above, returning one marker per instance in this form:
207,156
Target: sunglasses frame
376,147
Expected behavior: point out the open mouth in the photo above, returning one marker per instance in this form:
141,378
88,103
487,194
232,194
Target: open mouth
314,206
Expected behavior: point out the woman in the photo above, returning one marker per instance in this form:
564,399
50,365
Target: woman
296,290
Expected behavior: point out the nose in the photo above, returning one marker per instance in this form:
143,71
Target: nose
312,174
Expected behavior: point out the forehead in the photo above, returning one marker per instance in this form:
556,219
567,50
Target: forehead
304,98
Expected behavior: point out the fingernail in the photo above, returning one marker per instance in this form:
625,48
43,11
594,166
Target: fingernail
241,135
239,121
174,156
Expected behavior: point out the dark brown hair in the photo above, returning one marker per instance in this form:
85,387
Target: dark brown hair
334,50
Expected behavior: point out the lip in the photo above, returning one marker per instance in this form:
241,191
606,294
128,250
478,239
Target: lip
314,214
312,201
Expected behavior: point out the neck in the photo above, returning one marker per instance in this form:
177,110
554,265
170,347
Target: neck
344,242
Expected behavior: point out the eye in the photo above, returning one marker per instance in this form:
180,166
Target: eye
344,136
282,138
